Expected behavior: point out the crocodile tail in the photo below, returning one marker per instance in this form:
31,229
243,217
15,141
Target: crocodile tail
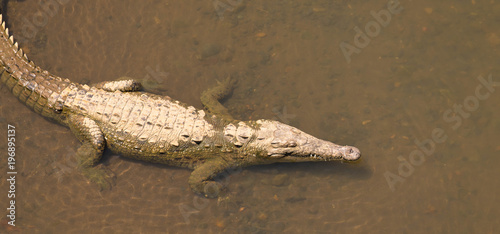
35,87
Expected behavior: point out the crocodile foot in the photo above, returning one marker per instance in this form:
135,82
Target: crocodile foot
101,176
202,179
208,189
210,98
89,154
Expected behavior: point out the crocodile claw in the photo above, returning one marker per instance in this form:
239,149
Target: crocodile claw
103,177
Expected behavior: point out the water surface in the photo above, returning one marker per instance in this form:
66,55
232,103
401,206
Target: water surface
386,98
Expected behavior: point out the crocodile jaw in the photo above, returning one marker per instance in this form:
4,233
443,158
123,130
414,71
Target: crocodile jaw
286,143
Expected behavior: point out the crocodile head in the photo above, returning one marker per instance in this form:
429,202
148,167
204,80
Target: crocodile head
282,142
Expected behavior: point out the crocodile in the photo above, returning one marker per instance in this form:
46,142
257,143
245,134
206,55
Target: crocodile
120,116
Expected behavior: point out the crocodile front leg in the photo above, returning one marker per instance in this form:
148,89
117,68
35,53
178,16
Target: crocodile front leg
210,98
89,154
201,179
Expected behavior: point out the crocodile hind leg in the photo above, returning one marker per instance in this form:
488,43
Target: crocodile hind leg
126,85
202,178
89,154
210,98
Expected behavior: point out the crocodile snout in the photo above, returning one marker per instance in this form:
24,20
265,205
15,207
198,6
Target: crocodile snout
350,153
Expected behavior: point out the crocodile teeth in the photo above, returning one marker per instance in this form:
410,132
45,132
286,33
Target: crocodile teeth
174,143
315,156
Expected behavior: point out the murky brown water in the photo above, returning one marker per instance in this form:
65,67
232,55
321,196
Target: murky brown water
399,89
